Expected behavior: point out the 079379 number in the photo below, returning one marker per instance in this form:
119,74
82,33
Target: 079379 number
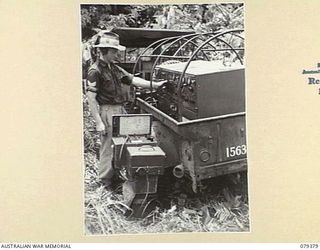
236,151
307,245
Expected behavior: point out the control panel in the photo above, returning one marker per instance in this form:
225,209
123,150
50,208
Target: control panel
131,124
134,149
208,88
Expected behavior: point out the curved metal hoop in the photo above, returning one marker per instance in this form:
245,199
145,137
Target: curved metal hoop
162,53
217,37
188,39
161,42
191,40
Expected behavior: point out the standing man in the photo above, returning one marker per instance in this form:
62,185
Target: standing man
106,96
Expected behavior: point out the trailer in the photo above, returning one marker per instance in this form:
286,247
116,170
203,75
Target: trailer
193,127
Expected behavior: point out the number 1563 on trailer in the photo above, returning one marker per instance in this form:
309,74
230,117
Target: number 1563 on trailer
236,151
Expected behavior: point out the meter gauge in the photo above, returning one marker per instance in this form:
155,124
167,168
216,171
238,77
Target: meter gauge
173,77
173,107
183,81
156,73
188,81
168,77
176,78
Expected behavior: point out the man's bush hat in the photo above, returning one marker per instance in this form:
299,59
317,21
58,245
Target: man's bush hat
108,39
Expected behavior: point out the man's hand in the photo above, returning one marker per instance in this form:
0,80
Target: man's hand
142,83
158,84
101,128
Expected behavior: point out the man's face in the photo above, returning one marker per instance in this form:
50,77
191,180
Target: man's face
110,54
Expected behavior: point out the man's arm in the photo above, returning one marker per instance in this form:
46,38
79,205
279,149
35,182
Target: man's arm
93,85
140,82
94,107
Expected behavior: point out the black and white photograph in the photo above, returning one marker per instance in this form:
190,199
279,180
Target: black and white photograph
164,118
159,122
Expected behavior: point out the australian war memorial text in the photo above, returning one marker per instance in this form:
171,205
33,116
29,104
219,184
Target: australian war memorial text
34,245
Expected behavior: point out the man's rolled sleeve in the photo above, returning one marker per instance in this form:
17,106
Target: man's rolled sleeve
93,81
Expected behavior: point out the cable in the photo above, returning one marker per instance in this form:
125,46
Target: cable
147,194
120,156
122,147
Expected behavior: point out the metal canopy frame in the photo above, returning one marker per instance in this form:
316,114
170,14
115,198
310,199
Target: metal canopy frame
213,39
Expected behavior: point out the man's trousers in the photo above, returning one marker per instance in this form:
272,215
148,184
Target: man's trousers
106,171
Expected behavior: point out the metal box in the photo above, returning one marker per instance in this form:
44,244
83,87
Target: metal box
207,88
145,160
120,144
145,155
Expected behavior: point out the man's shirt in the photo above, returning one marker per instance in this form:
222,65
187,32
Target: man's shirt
106,80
